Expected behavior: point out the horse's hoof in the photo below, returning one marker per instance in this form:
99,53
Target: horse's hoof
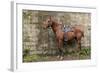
61,58
58,56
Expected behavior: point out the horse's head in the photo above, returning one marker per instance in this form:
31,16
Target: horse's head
48,22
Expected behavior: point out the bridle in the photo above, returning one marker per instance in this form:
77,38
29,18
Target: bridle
49,23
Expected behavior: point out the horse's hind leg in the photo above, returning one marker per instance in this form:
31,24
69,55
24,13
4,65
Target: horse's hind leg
79,45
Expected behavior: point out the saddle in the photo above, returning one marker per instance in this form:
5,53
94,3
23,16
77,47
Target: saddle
65,30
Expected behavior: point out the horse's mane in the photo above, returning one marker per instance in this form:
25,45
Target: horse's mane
57,23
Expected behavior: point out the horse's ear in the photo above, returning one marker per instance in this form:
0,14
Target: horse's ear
50,17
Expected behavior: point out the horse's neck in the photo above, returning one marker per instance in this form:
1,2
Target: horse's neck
55,27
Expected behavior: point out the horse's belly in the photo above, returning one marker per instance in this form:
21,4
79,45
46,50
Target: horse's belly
68,36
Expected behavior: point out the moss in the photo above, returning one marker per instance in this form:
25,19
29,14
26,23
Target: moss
35,58
26,52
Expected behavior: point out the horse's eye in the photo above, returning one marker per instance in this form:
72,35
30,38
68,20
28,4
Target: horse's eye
48,21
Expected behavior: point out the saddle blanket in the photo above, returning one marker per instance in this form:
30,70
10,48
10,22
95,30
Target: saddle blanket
66,30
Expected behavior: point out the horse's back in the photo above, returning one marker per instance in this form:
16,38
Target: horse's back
78,28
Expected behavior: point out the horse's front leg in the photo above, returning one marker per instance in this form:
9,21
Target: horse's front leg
60,54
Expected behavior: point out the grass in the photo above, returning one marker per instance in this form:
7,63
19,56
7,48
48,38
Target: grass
69,55
85,53
35,58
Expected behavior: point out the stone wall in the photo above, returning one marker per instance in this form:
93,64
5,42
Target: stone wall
38,40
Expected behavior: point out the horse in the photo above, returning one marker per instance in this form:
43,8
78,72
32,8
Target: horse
75,34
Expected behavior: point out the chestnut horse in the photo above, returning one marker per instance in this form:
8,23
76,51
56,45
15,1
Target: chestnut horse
75,34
